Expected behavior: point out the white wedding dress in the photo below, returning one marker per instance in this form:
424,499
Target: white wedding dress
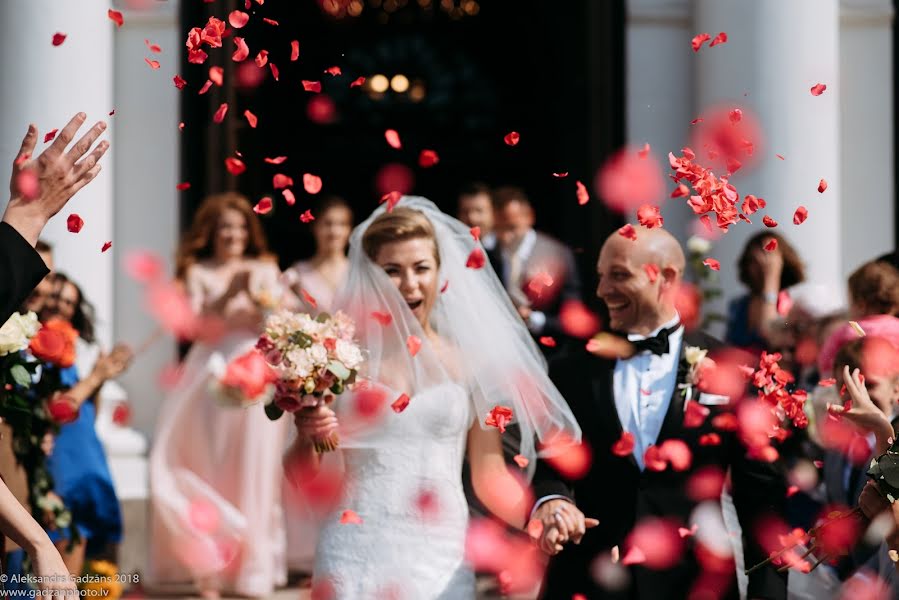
411,542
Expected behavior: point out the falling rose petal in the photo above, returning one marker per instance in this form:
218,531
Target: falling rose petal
582,196
312,86
512,138
548,341
652,271
413,344
309,299
262,58
235,166
577,320
270,21
58,38
649,216
477,259
312,183
217,75
391,198
154,64
116,17
736,115
294,50
698,40
475,233
28,184
628,232
280,181
697,120
625,445
50,135
712,264
800,215
626,181
658,541
634,556
205,87
499,417
183,186
445,286
289,197
561,175
695,414
400,404
143,266
771,245
358,82
644,151
822,185
275,161
242,51
521,461
769,222
780,156
349,517
827,382
571,461
179,82
710,439
74,223
393,139
677,453
334,71
238,19
219,115
427,159
383,318
196,57
112,112
274,69
264,206
721,38
251,118
154,48
307,217
818,89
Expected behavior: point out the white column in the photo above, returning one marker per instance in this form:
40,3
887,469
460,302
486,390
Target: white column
776,52
866,130
659,96
47,85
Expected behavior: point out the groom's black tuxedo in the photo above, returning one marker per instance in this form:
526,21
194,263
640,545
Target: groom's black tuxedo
619,494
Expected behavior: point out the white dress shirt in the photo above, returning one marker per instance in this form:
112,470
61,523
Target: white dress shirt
643,386
537,319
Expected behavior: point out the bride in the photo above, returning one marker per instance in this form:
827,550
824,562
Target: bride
446,354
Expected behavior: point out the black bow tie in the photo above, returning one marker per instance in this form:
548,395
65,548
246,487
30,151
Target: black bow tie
658,344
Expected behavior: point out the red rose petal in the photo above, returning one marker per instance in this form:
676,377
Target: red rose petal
309,299
74,223
251,118
349,517
477,259
262,58
154,64
154,48
274,69
628,231
428,158
625,444
383,318
695,414
780,156
710,439
512,138
58,38
312,183
521,461
827,382
294,50
275,161
413,343
179,82
307,217
769,222
582,196
181,126
712,264
312,86
238,19
335,71
205,87
270,21
475,233
219,115
242,51
358,82
183,186
264,206
818,89
106,246
400,404
116,17
289,197
644,151
721,38
279,181
561,174
822,185
649,216
652,271
391,198
235,166
28,184
393,139
771,246
50,135
698,40
626,181
217,75
800,215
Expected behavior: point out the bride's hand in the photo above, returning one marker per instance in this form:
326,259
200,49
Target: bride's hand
314,423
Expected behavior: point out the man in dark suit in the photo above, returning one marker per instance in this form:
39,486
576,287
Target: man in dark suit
639,393
539,272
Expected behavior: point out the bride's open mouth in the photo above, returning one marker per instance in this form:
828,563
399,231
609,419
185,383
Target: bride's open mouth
413,304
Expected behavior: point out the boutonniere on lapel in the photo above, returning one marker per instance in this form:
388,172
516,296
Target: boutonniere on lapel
694,363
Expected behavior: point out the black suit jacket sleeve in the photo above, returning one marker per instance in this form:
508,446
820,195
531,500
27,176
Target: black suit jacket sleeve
21,269
759,493
547,481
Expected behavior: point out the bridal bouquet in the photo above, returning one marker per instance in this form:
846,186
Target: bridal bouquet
314,359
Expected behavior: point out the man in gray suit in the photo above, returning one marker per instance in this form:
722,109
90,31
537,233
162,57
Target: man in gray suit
539,272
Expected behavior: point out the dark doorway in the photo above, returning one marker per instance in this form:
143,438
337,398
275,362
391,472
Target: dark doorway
475,70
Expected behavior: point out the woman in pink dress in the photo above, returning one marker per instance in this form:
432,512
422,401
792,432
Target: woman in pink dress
215,470
319,277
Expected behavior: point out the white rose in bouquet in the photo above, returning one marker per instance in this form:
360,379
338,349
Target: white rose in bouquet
349,354
698,245
17,332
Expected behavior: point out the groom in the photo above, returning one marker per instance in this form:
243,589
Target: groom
638,393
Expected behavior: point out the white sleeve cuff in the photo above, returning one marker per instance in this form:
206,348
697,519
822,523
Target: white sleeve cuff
545,499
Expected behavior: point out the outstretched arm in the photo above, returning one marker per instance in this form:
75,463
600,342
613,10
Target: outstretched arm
501,493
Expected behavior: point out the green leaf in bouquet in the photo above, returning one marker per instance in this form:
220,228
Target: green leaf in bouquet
337,388
273,412
322,317
339,369
20,375
301,339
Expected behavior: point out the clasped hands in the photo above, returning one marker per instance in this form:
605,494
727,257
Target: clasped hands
562,522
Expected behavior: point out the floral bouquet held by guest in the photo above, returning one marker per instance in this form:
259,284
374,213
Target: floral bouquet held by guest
315,359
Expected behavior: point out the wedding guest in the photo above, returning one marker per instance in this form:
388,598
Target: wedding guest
540,273
474,207
752,318
35,300
215,477
636,390
320,277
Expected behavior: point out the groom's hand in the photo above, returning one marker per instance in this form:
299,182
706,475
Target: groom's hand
562,522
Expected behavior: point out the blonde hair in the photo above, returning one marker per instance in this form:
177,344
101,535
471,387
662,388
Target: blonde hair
398,225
